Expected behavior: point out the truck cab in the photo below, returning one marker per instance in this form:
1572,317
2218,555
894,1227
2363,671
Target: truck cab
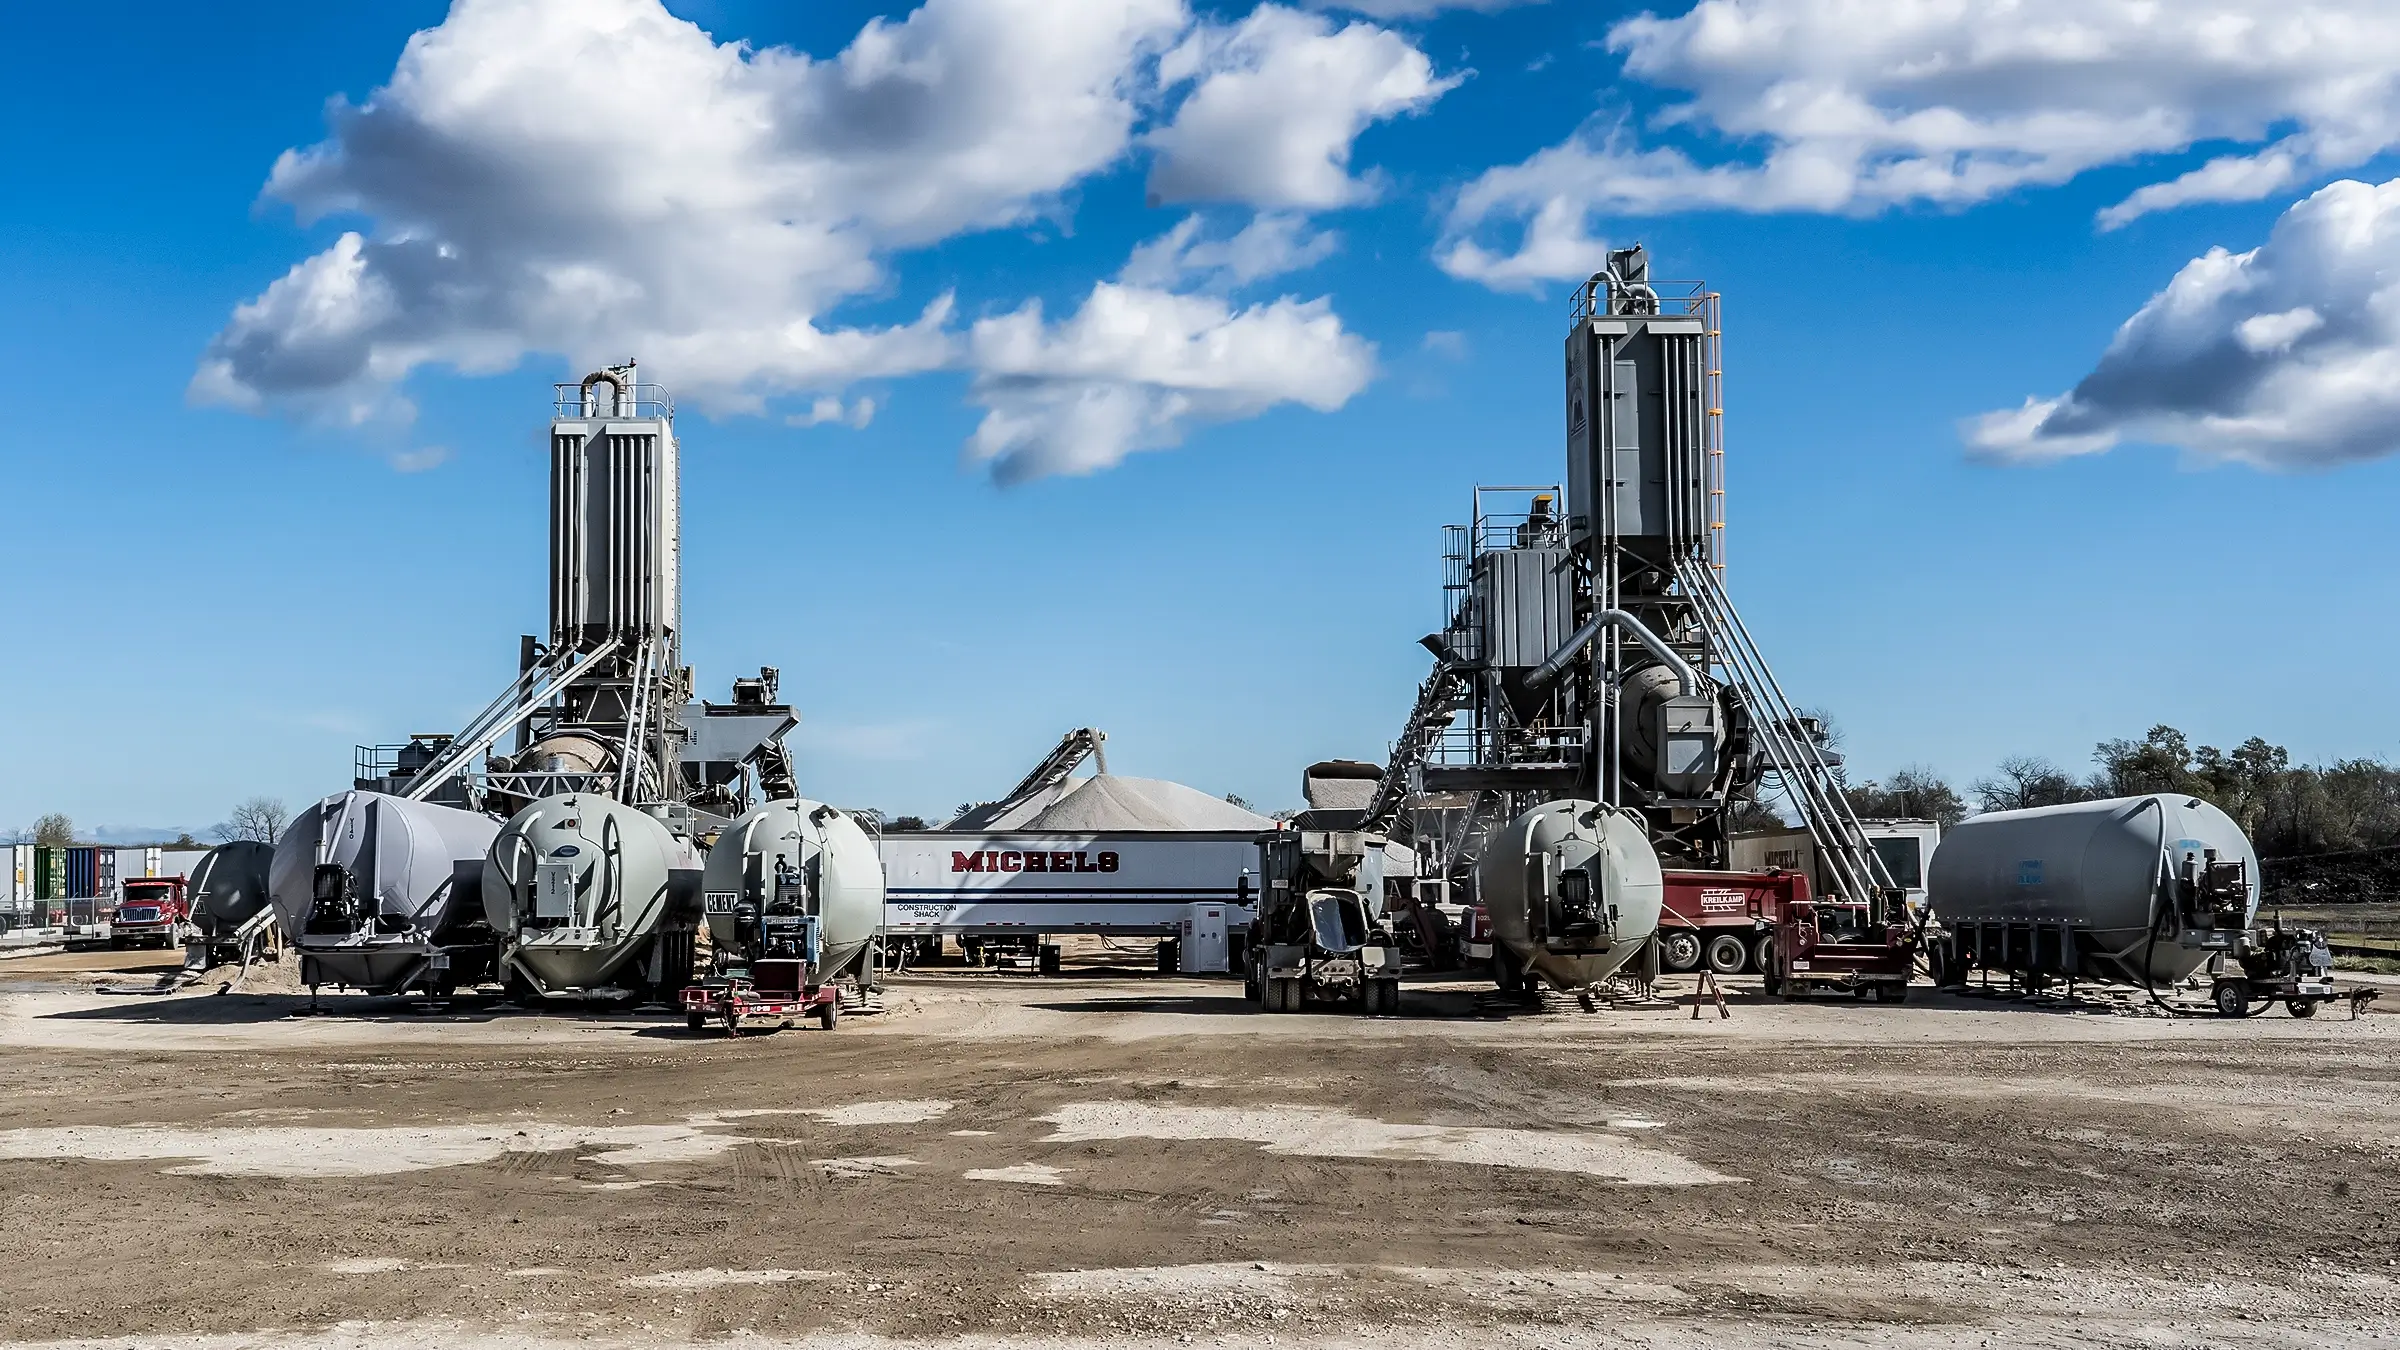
151,914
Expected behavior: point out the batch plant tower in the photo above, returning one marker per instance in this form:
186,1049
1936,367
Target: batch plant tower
1590,649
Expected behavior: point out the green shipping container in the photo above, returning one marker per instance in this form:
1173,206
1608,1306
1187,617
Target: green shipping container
49,874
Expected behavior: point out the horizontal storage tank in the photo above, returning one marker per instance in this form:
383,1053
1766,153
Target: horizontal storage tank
362,881
578,886
1573,891
825,850
2077,889
229,886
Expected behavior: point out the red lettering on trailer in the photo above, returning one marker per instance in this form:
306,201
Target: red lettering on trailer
1037,862
1062,862
966,862
1108,862
1084,863
1012,862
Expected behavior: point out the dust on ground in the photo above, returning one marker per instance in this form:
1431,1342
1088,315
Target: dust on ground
1121,1159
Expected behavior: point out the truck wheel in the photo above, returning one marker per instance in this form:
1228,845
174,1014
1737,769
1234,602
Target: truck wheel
696,1021
1891,993
1049,959
2232,998
1168,956
1728,954
829,1013
2301,1007
1772,979
1762,952
1679,951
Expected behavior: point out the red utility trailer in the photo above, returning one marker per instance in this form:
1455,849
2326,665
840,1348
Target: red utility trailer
1839,947
773,994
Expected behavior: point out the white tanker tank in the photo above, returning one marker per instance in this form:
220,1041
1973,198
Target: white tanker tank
802,856
367,886
1573,892
2138,890
592,897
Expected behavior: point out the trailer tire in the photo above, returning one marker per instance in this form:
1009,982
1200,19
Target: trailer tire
1762,952
829,1013
1728,954
2300,1007
1772,980
696,1021
1891,993
2232,998
1679,951
1169,956
1048,962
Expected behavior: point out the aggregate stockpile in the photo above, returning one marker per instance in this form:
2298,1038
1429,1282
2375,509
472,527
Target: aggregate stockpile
2143,891
794,896
1106,854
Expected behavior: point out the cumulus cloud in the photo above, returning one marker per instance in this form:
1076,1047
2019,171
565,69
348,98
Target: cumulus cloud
594,177
829,410
1278,100
2286,357
1135,368
1271,245
1862,105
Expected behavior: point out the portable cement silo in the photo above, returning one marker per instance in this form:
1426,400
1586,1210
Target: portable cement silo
232,908
1573,890
2137,890
787,860
592,897
378,893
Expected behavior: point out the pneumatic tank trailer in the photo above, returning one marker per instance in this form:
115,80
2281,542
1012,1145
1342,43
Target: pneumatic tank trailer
2151,891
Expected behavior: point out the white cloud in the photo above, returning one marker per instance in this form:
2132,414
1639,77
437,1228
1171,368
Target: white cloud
419,460
1863,105
828,410
1272,244
2286,357
1416,9
1280,98
1136,367
598,177
1449,344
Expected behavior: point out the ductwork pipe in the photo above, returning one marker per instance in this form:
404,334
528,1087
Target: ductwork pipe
1688,682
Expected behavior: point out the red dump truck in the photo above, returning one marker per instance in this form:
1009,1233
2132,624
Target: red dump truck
152,913
1723,920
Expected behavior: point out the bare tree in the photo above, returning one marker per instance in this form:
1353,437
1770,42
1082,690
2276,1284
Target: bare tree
2022,781
255,818
54,831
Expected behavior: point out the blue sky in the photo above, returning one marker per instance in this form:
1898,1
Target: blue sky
1218,548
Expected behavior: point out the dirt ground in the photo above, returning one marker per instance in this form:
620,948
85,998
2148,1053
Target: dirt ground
1121,1159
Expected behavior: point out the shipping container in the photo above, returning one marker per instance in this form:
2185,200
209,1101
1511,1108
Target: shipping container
83,872
49,873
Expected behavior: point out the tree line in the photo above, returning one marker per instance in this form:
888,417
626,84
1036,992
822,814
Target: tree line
2332,828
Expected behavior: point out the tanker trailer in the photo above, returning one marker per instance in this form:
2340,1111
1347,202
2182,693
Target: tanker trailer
2142,891
591,897
378,892
232,910
1573,891
794,896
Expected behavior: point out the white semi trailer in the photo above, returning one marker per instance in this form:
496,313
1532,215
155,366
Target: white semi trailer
1192,887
